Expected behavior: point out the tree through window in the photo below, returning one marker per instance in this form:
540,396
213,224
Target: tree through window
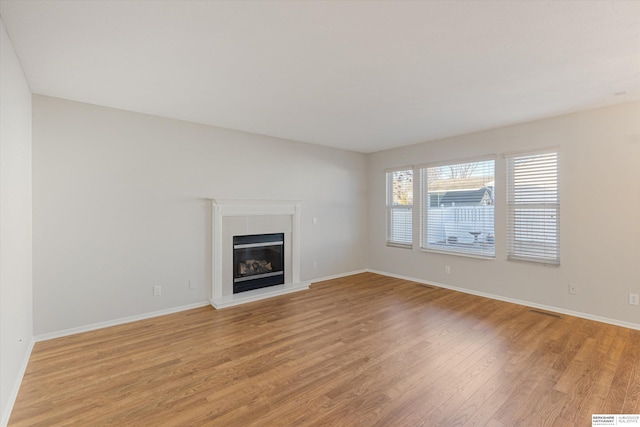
399,210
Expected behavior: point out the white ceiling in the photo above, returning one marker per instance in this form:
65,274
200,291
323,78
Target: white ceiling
359,75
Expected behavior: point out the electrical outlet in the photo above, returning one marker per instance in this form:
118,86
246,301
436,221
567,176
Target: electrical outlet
315,264
573,289
157,290
633,299
192,284
447,269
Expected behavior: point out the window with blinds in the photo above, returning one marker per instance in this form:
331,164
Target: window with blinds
400,207
457,214
533,207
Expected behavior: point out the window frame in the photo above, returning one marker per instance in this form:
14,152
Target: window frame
425,202
390,207
512,253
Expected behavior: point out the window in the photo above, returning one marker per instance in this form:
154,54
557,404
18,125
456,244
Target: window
400,207
458,208
533,208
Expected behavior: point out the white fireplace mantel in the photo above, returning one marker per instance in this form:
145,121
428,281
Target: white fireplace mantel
252,210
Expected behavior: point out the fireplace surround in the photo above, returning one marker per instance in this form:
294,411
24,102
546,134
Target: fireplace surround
235,217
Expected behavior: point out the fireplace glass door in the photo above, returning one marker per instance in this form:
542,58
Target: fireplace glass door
258,261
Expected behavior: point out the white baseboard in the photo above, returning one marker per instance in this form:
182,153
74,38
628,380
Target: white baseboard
305,285
123,320
222,304
337,276
16,387
100,325
587,316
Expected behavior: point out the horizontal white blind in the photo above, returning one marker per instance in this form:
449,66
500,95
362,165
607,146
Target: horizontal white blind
399,210
533,208
457,214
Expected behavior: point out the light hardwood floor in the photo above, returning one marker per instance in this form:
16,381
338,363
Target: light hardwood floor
362,350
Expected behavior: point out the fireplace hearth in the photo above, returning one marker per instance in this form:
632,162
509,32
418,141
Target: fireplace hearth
258,261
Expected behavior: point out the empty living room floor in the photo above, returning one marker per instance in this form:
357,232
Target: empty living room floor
360,350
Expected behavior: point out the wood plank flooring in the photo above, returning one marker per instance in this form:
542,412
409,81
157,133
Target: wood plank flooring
362,350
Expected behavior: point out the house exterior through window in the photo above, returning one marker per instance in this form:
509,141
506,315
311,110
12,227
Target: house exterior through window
457,214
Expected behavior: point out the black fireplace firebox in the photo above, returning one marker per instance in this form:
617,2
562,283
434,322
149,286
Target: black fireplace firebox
258,261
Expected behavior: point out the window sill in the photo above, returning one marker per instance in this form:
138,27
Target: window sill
546,263
399,245
462,254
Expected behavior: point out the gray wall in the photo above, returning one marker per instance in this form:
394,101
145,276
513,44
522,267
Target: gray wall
120,205
600,214
16,320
